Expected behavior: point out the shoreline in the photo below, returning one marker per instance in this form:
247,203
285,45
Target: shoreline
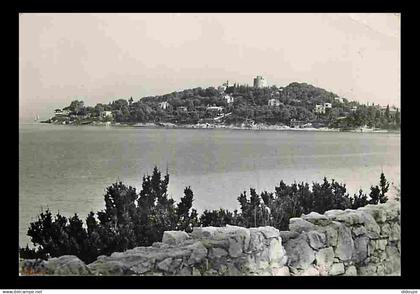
231,127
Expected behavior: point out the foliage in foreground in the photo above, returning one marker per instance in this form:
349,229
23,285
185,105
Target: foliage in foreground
133,219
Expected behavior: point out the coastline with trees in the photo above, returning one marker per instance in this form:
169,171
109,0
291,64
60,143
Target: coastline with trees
298,106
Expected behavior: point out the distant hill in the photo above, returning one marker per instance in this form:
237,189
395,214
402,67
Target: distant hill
297,104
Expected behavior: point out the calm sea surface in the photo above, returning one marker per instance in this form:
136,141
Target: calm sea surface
68,168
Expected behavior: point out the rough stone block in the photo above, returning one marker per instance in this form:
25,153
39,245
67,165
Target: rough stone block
351,271
336,269
392,254
331,232
256,242
287,235
199,252
262,259
380,270
346,218
142,267
376,211
222,270
232,270
174,237
67,265
345,245
392,210
310,271
368,270
204,232
317,219
165,264
269,232
299,225
360,249
325,257
381,244
371,247
300,254
316,239
275,251
245,264
185,271
196,272
108,268
282,271
333,213
358,231
235,247
395,232
217,252
222,235
385,230
244,234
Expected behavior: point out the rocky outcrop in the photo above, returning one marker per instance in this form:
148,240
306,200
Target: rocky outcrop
365,241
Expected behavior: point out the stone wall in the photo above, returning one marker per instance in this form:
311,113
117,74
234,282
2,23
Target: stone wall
230,251
362,242
365,241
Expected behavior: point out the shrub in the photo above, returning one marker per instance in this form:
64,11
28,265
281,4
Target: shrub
128,220
287,201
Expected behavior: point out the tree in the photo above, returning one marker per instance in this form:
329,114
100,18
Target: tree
359,200
129,219
49,235
77,236
218,218
184,217
117,218
99,108
374,195
384,187
76,106
378,193
387,115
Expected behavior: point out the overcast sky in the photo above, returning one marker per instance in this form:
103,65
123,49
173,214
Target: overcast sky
98,57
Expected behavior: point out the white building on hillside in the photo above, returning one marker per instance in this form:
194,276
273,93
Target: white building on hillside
274,102
339,99
106,113
229,99
319,108
164,104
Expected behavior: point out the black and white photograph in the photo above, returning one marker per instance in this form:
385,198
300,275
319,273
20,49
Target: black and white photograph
209,144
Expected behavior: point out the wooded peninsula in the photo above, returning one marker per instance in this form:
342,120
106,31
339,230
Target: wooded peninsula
297,105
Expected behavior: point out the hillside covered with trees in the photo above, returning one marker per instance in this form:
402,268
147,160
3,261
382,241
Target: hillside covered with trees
293,105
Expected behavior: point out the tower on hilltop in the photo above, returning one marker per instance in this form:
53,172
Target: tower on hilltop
260,82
